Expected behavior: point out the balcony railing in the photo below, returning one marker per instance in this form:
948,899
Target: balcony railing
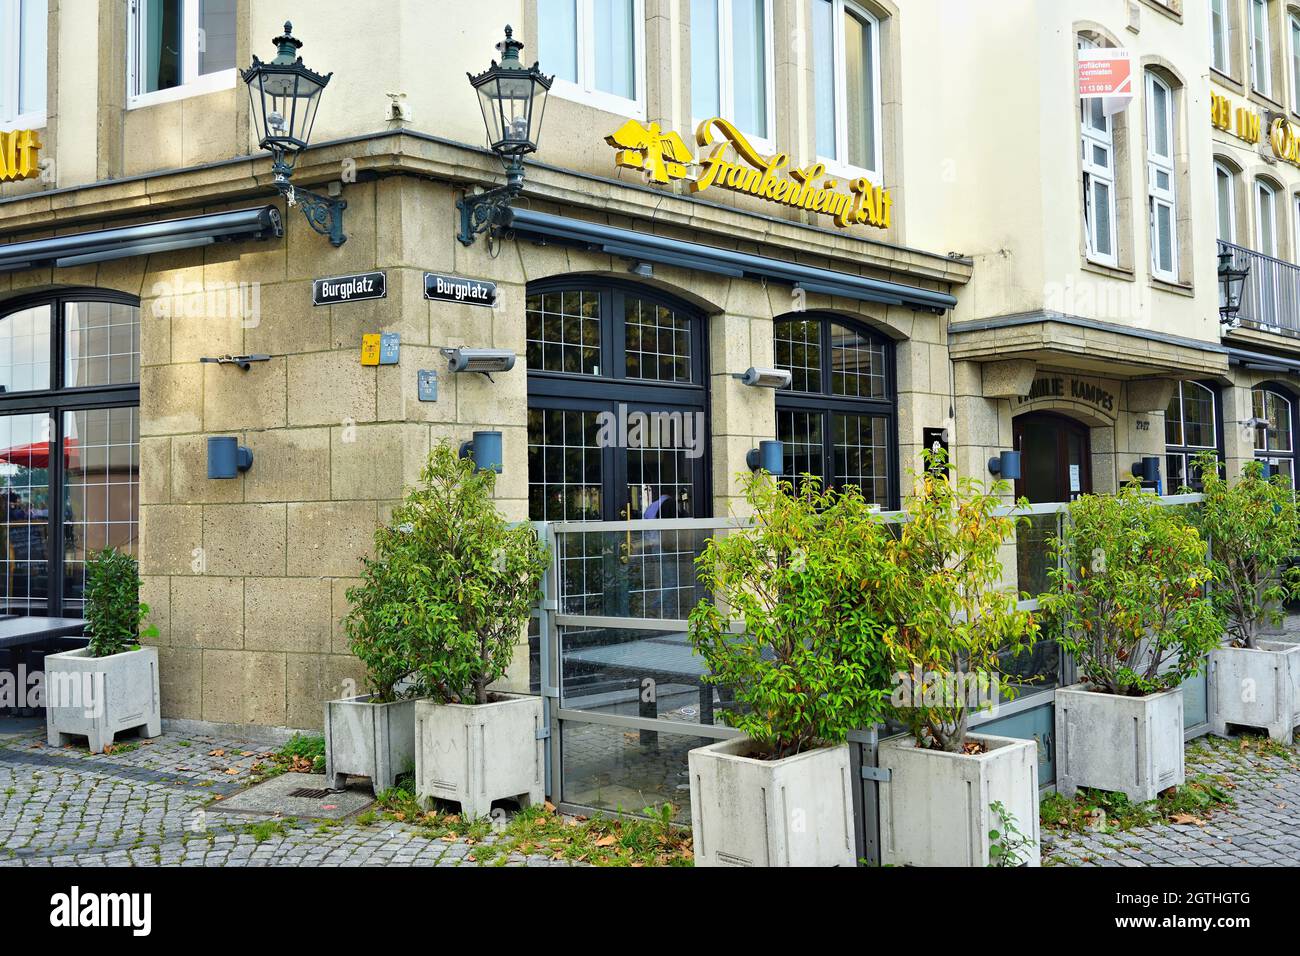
1271,299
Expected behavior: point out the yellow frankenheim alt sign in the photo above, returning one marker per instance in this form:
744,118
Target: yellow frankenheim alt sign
731,162
20,154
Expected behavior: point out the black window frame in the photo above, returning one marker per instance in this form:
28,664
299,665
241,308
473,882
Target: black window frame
1189,451
55,402
1293,404
826,403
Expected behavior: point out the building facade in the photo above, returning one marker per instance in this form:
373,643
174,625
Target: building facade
904,204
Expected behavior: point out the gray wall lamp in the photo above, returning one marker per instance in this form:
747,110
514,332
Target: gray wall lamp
769,456
485,451
765,377
1006,465
227,458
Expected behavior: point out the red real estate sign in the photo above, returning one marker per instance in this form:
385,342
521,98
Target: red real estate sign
1106,74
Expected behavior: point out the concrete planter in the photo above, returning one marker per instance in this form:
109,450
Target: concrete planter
936,809
366,739
792,812
1131,745
101,697
473,754
1255,688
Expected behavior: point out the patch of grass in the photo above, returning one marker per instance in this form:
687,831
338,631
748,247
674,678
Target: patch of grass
304,753
264,830
1192,803
541,830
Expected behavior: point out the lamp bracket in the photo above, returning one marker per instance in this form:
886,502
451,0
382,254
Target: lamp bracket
323,213
480,212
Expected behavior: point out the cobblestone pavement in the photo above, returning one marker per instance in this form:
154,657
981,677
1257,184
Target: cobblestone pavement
1261,829
153,805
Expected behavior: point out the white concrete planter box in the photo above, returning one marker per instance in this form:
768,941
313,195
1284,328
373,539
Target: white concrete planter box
473,754
101,697
1255,688
936,809
797,811
1130,745
366,739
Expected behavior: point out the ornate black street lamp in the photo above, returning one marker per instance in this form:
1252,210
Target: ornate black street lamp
1231,283
285,95
513,100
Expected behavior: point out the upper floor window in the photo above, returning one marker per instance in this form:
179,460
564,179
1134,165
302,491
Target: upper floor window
1265,218
22,63
1294,23
1261,63
1098,152
596,49
180,48
846,51
731,57
1160,178
1219,35
1225,190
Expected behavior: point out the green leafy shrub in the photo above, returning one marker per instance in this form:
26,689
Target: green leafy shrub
1252,527
810,664
450,587
1128,593
114,614
954,622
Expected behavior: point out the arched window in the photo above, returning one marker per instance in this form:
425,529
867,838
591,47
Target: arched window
69,381
616,404
837,419
1273,414
1191,428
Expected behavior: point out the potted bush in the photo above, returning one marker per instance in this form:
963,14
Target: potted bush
111,685
468,595
807,667
951,792
1252,527
1128,598
373,735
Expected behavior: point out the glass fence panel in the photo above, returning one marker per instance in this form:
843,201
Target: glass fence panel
1034,553
627,771
636,572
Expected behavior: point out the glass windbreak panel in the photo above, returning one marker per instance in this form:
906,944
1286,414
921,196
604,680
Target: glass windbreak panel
799,349
101,505
565,465
633,573
860,71
658,341
626,771
861,454
824,75
1175,472
857,364
557,37
216,36
161,42
563,331
24,534
101,344
33,16
25,350
661,481
801,434
614,43
1034,554
705,90
1035,669
749,58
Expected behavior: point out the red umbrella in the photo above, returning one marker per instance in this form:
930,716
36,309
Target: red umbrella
37,454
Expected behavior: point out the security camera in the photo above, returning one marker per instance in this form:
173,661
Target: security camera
765,377
480,360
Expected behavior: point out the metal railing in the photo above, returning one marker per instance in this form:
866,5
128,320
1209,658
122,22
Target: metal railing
1270,300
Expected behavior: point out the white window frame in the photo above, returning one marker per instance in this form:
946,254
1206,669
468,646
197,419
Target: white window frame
584,91
726,90
192,83
1293,31
11,69
1095,174
1219,56
1264,451
1260,71
1158,163
1261,190
1223,173
839,163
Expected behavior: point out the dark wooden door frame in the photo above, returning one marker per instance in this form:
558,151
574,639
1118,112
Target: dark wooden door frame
1069,426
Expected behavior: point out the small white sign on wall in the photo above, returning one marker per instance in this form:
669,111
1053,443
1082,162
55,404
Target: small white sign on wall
1074,479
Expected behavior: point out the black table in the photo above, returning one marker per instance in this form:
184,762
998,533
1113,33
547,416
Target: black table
21,634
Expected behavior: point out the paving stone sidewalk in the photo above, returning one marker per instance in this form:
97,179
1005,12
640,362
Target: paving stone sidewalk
1261,829
152,805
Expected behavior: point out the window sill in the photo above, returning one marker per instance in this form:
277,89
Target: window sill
1172,11
212,83
36,121
847,172
1263,99
1228,80
1111,272
596,99
1172,287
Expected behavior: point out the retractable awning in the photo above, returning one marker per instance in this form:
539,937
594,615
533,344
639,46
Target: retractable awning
646,247
261,222
1262,361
